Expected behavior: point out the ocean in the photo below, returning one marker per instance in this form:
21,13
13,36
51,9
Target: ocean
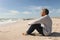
7,20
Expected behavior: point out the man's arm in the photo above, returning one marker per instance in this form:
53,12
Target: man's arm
36,21
40,20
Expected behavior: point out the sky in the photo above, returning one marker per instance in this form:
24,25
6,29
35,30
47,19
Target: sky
28,8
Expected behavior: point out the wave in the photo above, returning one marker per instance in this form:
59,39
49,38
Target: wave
5,21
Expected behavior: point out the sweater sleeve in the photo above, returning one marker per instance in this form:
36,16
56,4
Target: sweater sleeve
40,20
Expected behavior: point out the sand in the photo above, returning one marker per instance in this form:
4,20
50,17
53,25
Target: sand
13,31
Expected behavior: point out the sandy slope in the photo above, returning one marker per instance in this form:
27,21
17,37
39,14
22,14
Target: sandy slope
13,31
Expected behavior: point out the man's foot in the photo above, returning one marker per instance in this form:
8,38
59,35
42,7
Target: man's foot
28,34
24,33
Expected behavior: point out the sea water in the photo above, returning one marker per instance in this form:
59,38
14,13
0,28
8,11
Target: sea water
7,20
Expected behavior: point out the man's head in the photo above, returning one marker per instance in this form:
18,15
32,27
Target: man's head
45,11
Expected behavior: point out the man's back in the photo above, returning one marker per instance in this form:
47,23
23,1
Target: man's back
47,22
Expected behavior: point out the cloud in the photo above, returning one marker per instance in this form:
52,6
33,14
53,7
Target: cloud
55,11
51,9
14,12
36,7
58,11
26,12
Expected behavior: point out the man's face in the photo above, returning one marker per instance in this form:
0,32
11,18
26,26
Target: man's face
43,12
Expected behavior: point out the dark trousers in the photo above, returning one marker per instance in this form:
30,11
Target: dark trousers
37,27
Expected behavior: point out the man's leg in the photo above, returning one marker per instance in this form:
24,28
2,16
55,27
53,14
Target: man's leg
31,29
39,29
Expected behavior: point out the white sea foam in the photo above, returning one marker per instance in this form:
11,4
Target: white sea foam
5,21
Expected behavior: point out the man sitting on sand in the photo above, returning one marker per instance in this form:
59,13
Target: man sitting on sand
45,20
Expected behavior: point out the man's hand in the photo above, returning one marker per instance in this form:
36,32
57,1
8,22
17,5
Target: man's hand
29,24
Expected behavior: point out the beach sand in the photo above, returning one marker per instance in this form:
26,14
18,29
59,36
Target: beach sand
13,31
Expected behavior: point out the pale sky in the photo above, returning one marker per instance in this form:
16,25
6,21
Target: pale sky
28,8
